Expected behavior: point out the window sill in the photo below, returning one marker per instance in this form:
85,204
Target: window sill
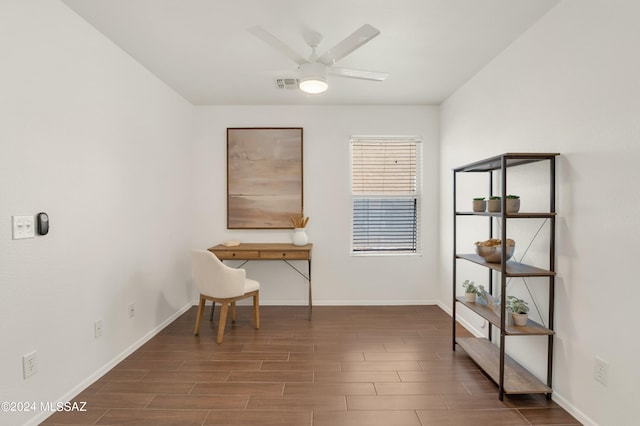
384,254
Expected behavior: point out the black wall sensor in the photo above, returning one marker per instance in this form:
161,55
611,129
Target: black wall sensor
42,220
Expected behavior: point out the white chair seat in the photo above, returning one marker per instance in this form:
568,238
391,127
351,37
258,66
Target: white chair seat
251,285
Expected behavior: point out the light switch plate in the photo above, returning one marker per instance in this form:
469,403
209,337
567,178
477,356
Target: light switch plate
23,227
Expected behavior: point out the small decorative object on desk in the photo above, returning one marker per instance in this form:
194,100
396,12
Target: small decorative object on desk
300,237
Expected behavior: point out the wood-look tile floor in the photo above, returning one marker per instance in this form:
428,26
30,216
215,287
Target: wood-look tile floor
389,365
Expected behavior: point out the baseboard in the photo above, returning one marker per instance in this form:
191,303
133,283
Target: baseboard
349,302
573,410
248,302
108,366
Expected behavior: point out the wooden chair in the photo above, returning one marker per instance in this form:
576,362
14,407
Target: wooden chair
222,284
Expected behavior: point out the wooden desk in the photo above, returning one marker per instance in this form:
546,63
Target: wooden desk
268,251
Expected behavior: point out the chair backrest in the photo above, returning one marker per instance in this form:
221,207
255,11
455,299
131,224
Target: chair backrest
214,278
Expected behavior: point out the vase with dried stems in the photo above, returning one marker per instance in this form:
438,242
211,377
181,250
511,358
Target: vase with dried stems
299,223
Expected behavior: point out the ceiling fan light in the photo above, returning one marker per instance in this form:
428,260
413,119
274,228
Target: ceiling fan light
313,78
313,86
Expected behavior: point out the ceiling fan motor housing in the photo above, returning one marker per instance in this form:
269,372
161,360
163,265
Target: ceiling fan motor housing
313,77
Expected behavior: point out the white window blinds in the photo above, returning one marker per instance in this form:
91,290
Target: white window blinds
385,189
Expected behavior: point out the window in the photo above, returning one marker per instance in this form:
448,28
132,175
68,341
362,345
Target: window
385,186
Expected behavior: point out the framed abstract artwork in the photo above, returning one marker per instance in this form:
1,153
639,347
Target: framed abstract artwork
264,177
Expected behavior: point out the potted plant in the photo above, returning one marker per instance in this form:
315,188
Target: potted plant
519,310
479,204
300,237
470,291
494,203
513,203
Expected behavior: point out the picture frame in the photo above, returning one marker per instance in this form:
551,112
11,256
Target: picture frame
264,177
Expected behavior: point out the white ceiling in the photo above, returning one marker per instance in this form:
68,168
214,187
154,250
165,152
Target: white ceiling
203,50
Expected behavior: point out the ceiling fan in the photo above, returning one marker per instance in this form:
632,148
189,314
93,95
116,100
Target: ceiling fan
313,71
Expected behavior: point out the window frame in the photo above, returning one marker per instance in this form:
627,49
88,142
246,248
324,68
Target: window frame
416,195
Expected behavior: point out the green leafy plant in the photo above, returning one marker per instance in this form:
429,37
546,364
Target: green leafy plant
517,306
478,199
470,287
495,197
513,197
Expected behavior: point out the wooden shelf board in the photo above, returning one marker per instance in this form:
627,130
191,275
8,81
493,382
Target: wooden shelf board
519,215
512,159
517,380
531,329
514,269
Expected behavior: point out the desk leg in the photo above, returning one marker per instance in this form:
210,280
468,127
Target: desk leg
310,292
310,297
306,277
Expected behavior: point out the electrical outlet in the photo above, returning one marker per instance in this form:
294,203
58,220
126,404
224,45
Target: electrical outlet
29,364
601,371
97,328
132,310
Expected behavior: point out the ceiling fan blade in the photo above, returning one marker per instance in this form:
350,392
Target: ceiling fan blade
360,74
277,44
349,44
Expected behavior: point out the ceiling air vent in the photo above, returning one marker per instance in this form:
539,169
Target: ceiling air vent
287,83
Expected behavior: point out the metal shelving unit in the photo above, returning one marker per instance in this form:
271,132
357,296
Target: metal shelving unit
510,376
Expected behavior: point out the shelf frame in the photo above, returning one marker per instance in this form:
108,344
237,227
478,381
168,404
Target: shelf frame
509,159
480,352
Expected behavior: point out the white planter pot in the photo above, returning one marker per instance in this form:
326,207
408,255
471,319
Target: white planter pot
470,297
300,237
520,319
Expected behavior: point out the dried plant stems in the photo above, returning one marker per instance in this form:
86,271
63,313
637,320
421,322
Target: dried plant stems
300,221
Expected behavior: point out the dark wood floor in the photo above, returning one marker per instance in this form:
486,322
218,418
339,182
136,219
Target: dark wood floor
370,366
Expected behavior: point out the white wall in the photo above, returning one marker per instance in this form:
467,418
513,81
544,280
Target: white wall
100,144
570,85
338,278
